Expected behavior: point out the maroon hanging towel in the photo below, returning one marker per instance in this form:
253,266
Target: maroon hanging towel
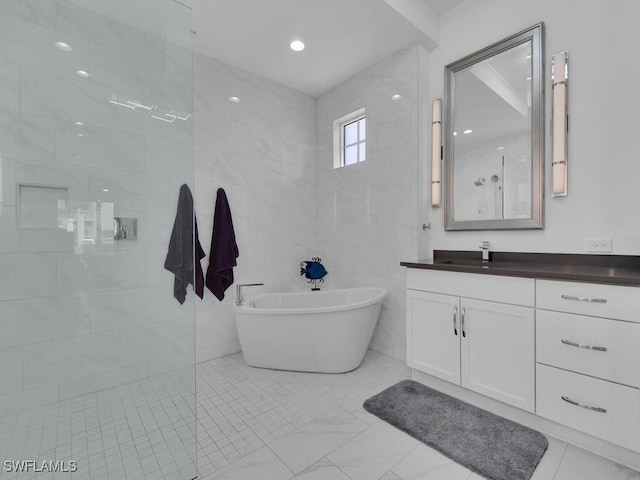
224,250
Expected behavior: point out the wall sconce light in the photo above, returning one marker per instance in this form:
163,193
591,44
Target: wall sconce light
436,151
560,123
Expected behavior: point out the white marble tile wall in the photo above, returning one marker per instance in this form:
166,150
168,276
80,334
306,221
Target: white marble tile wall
80,315
262,151
367,212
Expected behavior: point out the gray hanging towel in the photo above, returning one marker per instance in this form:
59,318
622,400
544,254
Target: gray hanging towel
180,257
224,250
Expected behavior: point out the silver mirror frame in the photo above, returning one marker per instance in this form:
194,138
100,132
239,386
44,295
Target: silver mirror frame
535,35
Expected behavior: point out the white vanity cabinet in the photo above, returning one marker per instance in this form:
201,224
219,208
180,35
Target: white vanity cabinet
588,358
474,330
556,335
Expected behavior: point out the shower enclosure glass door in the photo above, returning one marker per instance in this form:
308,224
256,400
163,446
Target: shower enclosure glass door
97,363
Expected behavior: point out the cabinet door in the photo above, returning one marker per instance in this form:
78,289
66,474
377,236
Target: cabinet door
433,334
497,351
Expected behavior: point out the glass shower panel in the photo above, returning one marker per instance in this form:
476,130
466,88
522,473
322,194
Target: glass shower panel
97,359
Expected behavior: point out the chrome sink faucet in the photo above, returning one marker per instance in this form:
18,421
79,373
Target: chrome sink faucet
239,297
485,251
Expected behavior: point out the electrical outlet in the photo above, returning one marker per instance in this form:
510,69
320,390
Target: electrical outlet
599,245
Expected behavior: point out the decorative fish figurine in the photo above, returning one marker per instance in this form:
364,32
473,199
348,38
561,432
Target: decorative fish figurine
312,269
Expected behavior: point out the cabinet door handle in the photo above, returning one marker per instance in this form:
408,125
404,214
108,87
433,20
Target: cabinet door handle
464,310
582,345
584,405
455,320
584,299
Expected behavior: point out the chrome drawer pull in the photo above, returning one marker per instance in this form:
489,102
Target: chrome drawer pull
455,320
582,405
584,299
580,345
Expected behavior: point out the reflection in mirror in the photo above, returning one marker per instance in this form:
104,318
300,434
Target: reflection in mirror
493,136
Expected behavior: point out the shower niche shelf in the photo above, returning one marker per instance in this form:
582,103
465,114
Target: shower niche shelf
40,207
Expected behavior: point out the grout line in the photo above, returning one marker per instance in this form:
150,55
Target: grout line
564,452
412,450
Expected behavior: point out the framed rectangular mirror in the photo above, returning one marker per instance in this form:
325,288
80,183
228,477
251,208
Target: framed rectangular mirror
494,136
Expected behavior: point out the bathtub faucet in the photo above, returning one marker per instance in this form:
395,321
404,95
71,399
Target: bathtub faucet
239,298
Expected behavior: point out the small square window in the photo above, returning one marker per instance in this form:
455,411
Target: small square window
349,139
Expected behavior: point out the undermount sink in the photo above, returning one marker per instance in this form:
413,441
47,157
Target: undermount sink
474,263
459,262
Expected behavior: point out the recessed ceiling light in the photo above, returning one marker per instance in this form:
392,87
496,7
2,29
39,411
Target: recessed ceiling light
500,148
397,96
105,189
467,131
82,73
80,124
528,78
455,133
80,134
65,47
528,57
296,46
234,99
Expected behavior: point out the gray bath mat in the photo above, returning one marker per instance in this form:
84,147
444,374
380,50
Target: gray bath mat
489,445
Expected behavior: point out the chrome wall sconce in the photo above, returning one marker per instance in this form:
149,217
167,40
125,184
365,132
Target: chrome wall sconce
436,152
560,123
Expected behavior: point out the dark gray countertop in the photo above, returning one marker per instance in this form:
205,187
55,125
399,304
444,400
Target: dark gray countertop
610,269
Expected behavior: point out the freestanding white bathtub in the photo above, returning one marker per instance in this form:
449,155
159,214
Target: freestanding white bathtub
327,331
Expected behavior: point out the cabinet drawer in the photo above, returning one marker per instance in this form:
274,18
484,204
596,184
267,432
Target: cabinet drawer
594,346
611,301
619,419
495,288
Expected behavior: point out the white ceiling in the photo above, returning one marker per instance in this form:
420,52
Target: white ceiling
342,37
496,109
441,6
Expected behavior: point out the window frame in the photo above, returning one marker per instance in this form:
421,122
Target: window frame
339,146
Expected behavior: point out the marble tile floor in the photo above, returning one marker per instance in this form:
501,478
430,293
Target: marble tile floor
253,424
143,430
256,424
